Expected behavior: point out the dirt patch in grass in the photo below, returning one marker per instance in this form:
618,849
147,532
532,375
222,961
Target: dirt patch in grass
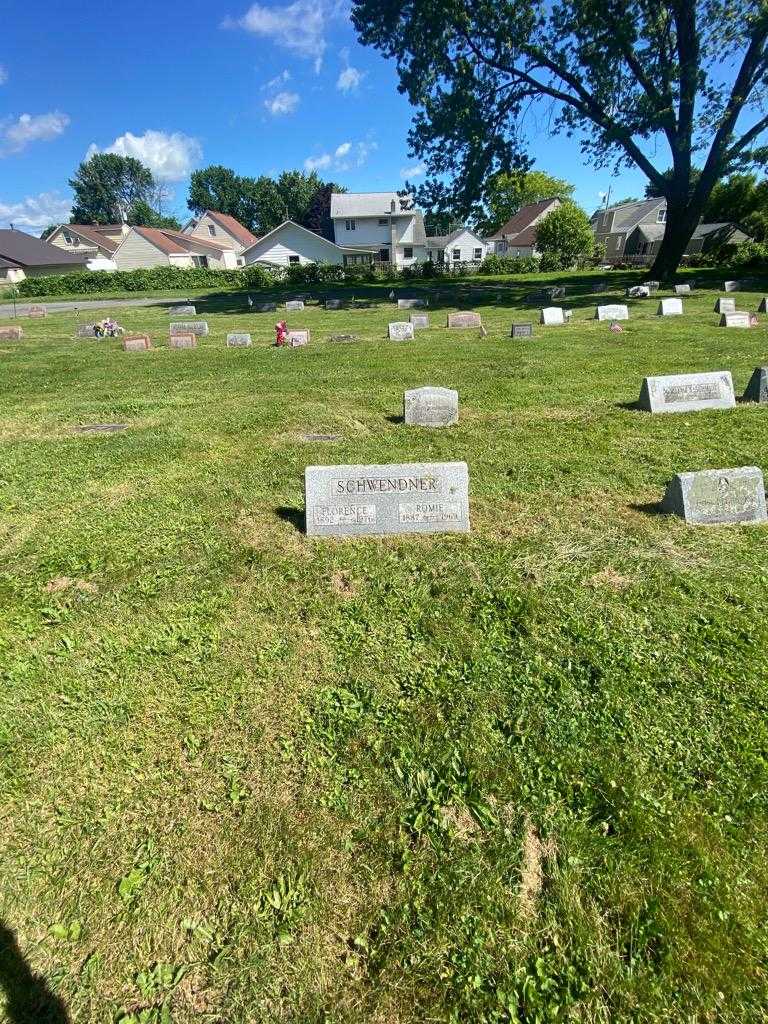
608,577
343,585
535,854
62,583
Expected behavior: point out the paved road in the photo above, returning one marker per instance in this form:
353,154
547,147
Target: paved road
22,308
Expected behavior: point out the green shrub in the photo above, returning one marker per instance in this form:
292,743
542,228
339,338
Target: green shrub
145,279
749,254
495,264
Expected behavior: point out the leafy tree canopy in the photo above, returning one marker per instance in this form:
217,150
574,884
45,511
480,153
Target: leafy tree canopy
107,187
508,193
626,76
565,234
146,216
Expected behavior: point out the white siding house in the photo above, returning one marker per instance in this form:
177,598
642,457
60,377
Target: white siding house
292,243
461,246
221,230
382,222
158,247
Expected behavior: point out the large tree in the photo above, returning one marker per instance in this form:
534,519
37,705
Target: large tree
508,193
108,186
629,78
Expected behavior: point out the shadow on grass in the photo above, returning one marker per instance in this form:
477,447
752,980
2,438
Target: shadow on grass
29,1000
649,508
632,406
294,516
395,419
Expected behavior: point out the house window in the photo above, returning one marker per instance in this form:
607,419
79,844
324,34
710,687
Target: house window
478,254
241,261
384,255
457,254
408,252
383,222
349,225
429,254
661,216
293,259
211,230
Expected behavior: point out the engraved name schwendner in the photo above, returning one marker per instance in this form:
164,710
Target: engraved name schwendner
386,485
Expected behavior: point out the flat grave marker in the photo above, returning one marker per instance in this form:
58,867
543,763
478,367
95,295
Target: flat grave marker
671,307
757,388
342,338
400,331
522,330
652,286
687,392
11,333
136,343
100,428
598,286
612,312
183,311
182,341
682,289
37,311
264,307
85,331
297,339
551,316
431,407
420,321
411,303
713,497
421,497
725,306
238,340
294,305
737,318
731,286
464,320
321,437
189,327
333,303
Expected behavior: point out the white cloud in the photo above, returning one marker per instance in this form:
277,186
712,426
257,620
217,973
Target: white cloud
169,157
317,163
298,27
343,149
413,172
349,80
36,212
345,157
3,74
282,103
277,81
17,135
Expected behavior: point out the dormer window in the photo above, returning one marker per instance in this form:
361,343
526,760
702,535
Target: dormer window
212,230
661,216
349,225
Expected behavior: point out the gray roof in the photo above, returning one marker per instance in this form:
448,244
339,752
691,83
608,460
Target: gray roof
443,241
28,251
629,215
708,229
368,204
651,232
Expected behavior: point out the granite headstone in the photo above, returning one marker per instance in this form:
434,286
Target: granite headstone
264,307
522,330
725,306
86,331
238,340
294,305
11,333
37,311
136,343
199,327
551,316
183,311
731,286
613,312
638,291
419,320
431,407
297,339
682,289
411,303
464,319
182,341
400,331
687,392
717,496
763,307
671,307
736,319
757,389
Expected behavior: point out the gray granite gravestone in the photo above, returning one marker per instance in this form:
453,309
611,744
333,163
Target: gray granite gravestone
671,307
639,291
189,327
37,311
522,331
763,307
725,306
297,339
757,389
598,286
294,305
400,331
183,311
86,331
688,392
411,303
238,341
136,343
11,333
731,286
613,312
333,303
264,307
682,289
555,291
736,319
552,316
422,497
342,338
419,320
100,428
717,496
431,407
652,286
182,341
464,320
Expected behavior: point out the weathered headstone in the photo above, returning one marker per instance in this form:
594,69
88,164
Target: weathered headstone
199,327
522,331
411,303
297,339
671,307
688,392
238,340
652,286
333,303
639,291
136,343
183,311
11,333
37,311
598,286
294,305
419,320
401,331
264,307
757,389
613,312
86,331
717,496
735,319
725,306
100,428
763,307
431,407
682,289
464,319
182,341
551,316
350,501
342,338
555,291
731,286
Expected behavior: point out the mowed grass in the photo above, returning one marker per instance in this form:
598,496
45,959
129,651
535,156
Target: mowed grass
518,775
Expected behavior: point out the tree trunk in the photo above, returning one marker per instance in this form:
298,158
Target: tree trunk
682,221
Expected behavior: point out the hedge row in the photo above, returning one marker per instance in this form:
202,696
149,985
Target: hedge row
145,280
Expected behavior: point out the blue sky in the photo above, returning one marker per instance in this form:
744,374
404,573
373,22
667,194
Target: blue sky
261,88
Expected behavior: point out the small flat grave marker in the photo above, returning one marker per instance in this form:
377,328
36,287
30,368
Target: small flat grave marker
522,331
189,327
599,286
757,389
464,319
688,392
352,501
552,316
639,291
725,306
86,331
182,341
401,331
321,437
11,333
136,343
717,496
419,320
238,340
554,292
342,338
613,312
671,307
37,311
101,428
264,307
333,303
297,339
682,289
183,311
411,303
735,319
431,407
652,286
294,305
731,286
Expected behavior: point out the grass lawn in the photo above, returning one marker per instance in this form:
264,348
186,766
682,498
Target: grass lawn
514,776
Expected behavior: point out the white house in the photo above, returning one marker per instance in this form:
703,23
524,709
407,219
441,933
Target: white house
93,241
384,223
291,243
159,247
460,246
223,230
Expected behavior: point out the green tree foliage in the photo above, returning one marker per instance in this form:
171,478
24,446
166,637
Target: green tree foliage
508,193
743,200
146,216
107,187
564,237
628,77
